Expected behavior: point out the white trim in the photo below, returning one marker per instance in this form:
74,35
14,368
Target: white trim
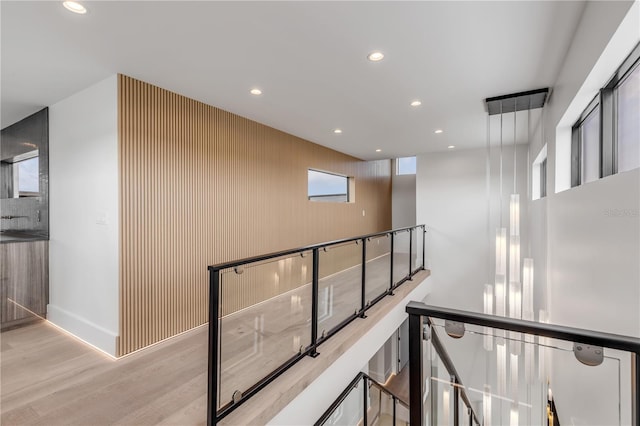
619,47
83,329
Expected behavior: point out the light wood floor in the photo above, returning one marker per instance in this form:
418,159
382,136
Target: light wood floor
49,378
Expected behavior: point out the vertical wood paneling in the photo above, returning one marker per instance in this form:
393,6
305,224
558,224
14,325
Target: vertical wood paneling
199,186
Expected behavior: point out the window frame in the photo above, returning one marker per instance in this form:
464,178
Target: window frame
543,178
630,64
576,143
607,101
349,181
406,174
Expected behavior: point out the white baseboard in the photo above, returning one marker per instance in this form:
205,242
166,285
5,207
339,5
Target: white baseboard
87,331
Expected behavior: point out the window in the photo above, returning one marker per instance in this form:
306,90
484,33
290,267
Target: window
406,166
590,147
585,146
606,138
21,174
543,178
628,131
28,177
323,186
539,175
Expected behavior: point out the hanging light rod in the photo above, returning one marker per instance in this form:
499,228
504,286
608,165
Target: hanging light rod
517,101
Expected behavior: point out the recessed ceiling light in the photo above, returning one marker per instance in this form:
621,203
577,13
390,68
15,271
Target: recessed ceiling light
451,146
438,131
74,7
378,150
416,103
256,91
337,131
375,56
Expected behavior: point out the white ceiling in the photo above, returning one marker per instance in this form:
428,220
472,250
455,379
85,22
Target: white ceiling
309,58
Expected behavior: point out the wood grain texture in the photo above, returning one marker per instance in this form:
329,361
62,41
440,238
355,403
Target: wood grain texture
199,186
51,378
24,281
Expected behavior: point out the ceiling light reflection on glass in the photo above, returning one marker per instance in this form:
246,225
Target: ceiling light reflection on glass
416,103
375,56
256,92
75,7
337,131
438,131
378,150
451,146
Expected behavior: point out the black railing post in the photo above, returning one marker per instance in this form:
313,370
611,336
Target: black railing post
416,413
212,382
366,402
364,278
424,248
456,402
393,401
410,252
314,303
391,268
635,365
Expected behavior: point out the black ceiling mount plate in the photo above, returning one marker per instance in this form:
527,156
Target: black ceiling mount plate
517,101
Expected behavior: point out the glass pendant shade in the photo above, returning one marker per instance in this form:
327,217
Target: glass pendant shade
527,289
501,364
514,415
488,309
501,272
486,405
514,215
513,372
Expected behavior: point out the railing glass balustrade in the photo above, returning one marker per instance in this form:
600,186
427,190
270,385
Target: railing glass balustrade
366,402
268,312
510,369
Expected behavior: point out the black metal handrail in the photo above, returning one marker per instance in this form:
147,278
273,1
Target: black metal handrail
354,384
455,377
213,413
418,310
259,258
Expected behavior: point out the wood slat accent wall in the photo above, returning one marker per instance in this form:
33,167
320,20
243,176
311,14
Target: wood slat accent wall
199,186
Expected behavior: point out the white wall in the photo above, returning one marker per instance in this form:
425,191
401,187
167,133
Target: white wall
453,202
592,231
83,250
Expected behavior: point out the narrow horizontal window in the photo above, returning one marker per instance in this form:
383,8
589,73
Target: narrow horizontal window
328,187
406,166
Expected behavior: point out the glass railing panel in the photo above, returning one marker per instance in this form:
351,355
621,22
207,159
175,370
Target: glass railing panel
402,413
351,410
510,374
265,311
378,267
439,399
400,255
339,285
376,412
417,249
380,406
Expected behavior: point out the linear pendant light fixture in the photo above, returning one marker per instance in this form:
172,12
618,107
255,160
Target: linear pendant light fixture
512,293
